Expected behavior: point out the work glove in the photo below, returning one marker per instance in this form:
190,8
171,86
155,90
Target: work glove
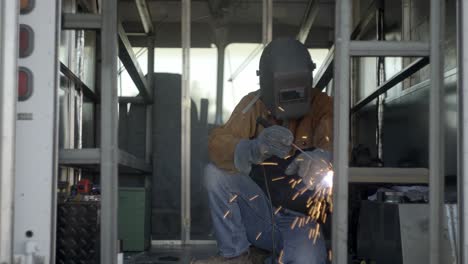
272,141
312,167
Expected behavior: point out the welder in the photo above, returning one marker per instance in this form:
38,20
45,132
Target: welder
292,114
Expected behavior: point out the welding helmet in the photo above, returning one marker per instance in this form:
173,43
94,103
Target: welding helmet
285,73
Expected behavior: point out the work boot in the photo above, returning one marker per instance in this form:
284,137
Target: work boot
242,259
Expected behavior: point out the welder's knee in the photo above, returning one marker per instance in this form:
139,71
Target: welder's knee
299,249
308,254
214,178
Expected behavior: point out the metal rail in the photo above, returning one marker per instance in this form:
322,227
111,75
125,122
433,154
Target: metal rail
109,133
185,122
8,98
308,21
389,48
145,16
87,92
436,131
341,132
396,79
129,60
267,21
73,21
325,73
462,131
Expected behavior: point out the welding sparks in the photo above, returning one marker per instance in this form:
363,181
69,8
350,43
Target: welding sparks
253,197
233,198
269,164
280,259
258,235
278,209
227,213
278,178
293,225
304,137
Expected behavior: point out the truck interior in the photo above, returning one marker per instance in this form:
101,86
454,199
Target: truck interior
107,141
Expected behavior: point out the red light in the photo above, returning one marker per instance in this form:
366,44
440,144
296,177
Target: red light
24,84
26,6
26,41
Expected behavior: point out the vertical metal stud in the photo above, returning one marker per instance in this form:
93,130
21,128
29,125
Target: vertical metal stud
436,131
9,11
109,133
267,21
185,132
462,10
341,131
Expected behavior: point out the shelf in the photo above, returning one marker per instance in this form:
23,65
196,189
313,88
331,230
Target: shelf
389,175
91,158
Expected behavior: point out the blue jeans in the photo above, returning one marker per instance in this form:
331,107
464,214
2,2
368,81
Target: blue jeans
248,219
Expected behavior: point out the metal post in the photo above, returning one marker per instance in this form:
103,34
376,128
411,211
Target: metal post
380,19
185,119
109,133
341,132
149,79
462,10
220,84
436,131
8,83
267,21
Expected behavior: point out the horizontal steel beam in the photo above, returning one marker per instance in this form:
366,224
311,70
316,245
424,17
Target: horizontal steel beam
81,21
397,78
308,21
132,100
87,92
389,175
389,49
87,157
79,156
130,62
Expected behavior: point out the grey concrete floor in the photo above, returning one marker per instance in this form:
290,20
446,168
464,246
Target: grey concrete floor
175,254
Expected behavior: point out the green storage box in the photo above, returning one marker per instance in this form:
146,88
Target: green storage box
134,219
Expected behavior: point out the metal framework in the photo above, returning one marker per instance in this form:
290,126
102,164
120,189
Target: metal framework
108,159
344,48
185,121
308,21
8,95
390,83
462,132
